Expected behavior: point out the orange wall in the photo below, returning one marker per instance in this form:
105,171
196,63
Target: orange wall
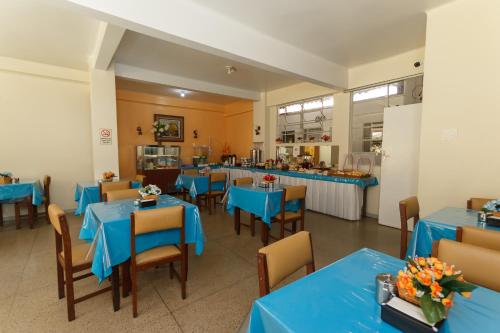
239,122
231,123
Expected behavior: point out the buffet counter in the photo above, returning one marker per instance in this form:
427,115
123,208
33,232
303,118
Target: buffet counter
338,196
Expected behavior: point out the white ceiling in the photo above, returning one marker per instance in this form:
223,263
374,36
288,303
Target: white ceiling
163,90
150,53
36,31
348,32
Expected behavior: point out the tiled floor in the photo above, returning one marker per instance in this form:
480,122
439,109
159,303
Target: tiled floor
221,286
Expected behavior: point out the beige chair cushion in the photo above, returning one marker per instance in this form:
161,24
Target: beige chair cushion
289,216
295,192
131,193
158,219
217,177
489,239
114,186
243,180
190,172
478,203
156,254
287,256
412,207
78,254
54,213
479,265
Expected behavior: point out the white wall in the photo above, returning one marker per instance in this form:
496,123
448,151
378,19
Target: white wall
45,126
461,88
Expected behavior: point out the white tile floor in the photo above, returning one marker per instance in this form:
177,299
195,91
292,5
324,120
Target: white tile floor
221,286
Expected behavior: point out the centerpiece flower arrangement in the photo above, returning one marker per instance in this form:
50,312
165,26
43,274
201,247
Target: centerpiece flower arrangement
108,176
150,192
492,206
5,177
431,284
325,138
269,178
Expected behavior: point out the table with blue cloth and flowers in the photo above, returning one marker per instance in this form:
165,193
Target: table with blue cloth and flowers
196,185
27,192
258,201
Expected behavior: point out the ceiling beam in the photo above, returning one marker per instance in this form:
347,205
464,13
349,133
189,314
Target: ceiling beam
141,74
195,26
108,39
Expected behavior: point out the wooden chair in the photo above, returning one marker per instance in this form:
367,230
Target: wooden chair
479,265
489,239
131,193
214,194
105,187
73,259
243,181
408,208
140,179
285,217
277,261
477,203
46,198
146,221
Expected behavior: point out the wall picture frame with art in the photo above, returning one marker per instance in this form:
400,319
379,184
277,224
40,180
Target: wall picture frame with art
168,128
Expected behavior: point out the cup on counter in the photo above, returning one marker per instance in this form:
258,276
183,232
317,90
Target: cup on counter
385,287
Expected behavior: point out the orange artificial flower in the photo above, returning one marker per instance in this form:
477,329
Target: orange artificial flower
412,291
448,271
466,294
438,265
413,269
438,274
421,261
435,289
424,278
447,302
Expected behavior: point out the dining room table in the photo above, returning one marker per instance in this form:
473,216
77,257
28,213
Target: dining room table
262,202
341,298
196,185
441,224
28,192
106,226
88,192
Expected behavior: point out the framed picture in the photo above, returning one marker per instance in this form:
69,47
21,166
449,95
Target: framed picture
169,128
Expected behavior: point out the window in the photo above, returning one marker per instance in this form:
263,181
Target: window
305,121
385,90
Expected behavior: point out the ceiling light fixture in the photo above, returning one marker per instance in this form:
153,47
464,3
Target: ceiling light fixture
230,70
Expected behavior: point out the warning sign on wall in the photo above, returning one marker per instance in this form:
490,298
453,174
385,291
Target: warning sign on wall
105,136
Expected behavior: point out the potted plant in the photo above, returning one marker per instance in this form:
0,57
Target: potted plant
431,284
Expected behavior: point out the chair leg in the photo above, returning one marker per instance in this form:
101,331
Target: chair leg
294,226
252,224
115,288
264,234
282,229
60,279
17,209
70,295
171,270
133,279
183,275
209,205
47,212
302,223
31,220
126,278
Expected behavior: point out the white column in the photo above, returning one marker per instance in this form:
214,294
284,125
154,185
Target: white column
103,118
341,124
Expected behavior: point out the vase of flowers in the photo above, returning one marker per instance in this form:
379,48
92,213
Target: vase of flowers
150,192
268,179
108,176
325,137
431,284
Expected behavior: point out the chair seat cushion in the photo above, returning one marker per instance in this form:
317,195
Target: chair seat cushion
157,253
78,254
289,216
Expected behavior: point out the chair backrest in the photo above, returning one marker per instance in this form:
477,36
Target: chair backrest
409,208
158,219
489,239
295,192
243,180
190,172
284,257
131,193
140,179
105,187
217,177
479,265
46,187
58,220
477,203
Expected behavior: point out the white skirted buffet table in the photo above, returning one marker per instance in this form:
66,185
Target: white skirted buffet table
338,196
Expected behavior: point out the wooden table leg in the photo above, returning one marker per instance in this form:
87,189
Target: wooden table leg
363,208
186,248
264,233
29,205
184,194
237,221
17,209
252,224
126,278
1,215
115,287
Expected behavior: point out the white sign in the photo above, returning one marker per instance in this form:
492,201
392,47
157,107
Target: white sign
105,136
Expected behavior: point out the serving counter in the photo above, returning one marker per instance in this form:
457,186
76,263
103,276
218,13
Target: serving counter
338,196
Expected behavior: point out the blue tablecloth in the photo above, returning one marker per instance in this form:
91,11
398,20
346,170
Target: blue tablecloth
441,224
196,184
87,193
263,202
107,225
14,192
341,298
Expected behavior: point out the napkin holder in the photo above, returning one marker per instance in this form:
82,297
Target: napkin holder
147,203
394,314
493,220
